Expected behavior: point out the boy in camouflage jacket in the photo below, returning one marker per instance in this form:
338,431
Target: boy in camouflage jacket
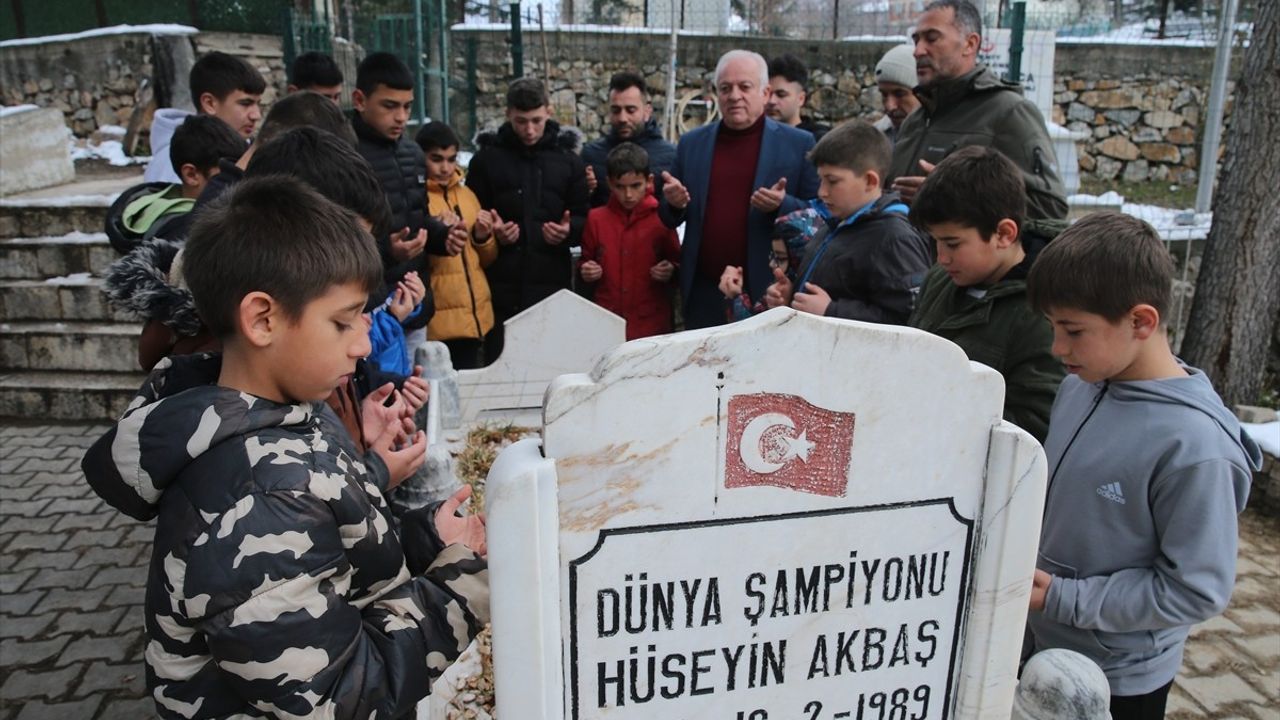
278,585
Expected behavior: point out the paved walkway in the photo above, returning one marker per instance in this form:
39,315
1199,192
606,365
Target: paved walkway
72,574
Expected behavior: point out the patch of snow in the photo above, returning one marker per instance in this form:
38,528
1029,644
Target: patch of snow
154,29
58,202
112,131
1172,224
110,150
1267,435
71,238
15,109
72,279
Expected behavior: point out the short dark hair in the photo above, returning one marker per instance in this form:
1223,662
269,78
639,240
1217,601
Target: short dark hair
1106,263
626,79
626,158
436,136
527,94
274,235
314,69
305,109
790,67
220,74
975,187
203,140
854,145
383,68
329,165
968,19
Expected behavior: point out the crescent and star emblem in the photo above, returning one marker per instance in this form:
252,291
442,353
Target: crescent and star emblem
782,444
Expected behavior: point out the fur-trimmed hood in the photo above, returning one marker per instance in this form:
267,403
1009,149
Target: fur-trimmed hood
563,137
138,283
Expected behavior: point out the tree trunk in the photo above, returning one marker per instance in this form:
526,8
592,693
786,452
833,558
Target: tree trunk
1237,297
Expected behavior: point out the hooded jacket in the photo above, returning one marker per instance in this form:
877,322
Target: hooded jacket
627,244
1000,330
979,108
530,185
872,266
662,155
277,583
464,307
1139,534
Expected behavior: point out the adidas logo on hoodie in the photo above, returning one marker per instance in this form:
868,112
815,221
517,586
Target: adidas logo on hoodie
1112,492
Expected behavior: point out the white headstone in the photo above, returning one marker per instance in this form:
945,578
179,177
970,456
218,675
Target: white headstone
563,334
788,517
35,151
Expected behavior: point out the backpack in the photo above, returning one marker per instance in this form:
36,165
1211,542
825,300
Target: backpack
144,212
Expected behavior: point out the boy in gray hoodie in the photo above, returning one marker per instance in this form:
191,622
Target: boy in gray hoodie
1148,469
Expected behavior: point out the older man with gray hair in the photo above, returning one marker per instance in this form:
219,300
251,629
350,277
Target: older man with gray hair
731,179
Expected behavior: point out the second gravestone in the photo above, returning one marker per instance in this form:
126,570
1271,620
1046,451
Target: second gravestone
789,517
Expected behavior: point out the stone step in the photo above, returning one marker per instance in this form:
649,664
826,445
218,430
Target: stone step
59,346
74,298
38,217
75,396
37,257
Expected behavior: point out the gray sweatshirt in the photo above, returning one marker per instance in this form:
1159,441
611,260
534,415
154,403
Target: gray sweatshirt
1146,480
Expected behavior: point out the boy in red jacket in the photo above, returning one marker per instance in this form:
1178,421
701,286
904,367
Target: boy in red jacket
627,252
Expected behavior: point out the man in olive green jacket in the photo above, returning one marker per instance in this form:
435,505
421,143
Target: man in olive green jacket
964,103
976,296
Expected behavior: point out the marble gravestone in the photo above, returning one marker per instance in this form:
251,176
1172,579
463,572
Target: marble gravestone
564,333
788,517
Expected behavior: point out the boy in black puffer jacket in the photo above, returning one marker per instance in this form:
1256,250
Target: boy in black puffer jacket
529,174
868,263
383,101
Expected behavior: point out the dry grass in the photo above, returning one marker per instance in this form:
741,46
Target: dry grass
484,442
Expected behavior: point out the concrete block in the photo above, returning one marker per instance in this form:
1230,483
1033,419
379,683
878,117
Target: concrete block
34,153
1255,414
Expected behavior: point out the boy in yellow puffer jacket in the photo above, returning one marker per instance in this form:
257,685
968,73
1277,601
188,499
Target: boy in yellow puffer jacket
464,310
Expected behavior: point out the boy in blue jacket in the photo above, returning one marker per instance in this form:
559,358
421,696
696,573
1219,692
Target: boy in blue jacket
1148,468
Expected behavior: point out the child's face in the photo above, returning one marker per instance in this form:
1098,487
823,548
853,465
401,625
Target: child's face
1093,347
778,256
442,164
844,191
332,92
529,125
314,353
239,109
968,257
629,188
386,109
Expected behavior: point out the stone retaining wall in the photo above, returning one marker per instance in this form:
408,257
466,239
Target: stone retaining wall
96,80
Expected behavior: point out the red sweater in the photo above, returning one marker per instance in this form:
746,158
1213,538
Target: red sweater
724,224
626,245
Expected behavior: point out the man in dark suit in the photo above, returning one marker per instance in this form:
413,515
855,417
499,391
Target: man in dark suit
730,181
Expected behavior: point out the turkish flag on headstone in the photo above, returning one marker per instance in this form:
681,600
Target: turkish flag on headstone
785,441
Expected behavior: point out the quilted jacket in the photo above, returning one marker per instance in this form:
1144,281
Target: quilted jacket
278,586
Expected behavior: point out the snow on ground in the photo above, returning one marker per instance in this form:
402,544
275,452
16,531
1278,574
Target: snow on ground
154,29
71,237
110,150
64,201
1267,435
15,109
72,279
1172,224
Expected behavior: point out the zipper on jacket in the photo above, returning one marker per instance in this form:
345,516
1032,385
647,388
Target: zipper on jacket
466,271
1058,465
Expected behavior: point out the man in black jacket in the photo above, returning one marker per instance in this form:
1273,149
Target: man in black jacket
630,120
529,177
383,100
